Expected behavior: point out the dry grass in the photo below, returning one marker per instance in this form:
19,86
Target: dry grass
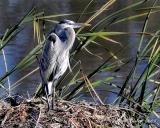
68,115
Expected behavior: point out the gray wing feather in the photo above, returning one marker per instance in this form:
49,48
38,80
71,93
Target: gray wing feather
48,59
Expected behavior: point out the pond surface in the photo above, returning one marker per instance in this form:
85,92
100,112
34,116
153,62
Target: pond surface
11,11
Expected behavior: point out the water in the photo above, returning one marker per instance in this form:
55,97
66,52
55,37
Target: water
12,10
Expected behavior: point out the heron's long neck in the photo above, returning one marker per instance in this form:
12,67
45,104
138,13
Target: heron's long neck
71,37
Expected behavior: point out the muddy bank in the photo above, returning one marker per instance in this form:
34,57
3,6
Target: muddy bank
69,114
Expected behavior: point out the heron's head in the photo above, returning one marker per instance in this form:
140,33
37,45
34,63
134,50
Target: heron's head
71,24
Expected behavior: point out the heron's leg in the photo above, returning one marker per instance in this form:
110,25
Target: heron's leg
53,103
47,98
53,97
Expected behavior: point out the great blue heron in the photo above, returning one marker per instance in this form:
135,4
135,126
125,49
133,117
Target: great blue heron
55,55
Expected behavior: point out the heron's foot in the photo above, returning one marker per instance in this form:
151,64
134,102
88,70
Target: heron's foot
57,109
54,105
47,102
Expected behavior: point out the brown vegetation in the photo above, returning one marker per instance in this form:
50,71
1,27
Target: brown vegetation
69,114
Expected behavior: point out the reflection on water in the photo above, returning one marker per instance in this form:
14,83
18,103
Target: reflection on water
12,10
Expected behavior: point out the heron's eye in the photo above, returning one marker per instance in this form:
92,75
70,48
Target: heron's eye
51,38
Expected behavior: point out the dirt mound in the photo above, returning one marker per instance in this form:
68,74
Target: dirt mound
69,114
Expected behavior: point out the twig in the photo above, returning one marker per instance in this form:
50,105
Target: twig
5,118
37,122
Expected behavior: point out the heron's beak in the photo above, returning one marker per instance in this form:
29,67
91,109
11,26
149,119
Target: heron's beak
79,25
